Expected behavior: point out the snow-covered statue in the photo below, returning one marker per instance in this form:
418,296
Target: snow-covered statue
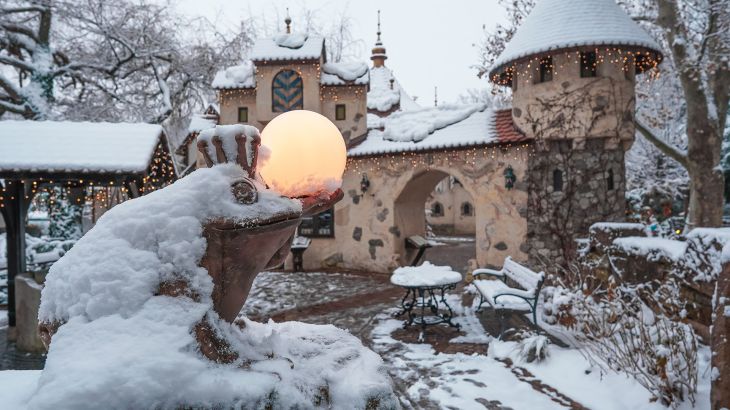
142,311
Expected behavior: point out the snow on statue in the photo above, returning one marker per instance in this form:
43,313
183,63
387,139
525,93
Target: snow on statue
141,311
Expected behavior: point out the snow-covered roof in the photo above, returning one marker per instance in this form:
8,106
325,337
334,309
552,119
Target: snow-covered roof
437,128
288,46
560,24
382,97
239,76
200,122
347,72
77,147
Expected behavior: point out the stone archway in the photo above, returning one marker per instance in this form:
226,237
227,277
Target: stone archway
409,208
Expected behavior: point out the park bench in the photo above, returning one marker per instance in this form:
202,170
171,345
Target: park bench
504,294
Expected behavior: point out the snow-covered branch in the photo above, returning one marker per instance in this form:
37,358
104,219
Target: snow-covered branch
668,149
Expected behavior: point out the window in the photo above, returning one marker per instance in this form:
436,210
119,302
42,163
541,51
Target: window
514,81
286,92
467,209
340,112
588,64
437,209
321,225
609,180
546,70
242,114
557,180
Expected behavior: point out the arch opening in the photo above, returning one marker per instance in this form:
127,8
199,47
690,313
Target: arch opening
437,206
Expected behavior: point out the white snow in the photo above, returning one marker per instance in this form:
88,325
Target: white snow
651,247
227,135
199,123
125,347
65,146
426,274
375,121
409,130
341,73
240,76
294,46
559,24
116,267
416,125
610,226
381,96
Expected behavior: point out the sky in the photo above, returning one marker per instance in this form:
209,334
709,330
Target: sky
430,43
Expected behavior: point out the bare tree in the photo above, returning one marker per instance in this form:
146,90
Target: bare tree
119,60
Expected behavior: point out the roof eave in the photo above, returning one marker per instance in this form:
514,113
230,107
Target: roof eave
498,70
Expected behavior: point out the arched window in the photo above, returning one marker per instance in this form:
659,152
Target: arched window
286,92
437,209
467,209
609,180
557,180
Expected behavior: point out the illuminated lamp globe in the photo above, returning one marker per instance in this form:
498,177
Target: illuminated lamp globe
306,154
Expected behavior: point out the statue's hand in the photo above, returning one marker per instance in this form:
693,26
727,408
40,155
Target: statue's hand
239,145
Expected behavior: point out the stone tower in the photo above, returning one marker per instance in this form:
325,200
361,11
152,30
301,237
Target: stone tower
572,67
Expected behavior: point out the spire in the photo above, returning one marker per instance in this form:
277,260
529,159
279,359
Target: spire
435,96
287,20
378,42
378,56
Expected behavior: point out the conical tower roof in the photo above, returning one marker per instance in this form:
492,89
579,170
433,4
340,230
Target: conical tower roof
560,25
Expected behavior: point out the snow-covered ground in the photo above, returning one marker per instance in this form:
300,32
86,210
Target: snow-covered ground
475,381
426,377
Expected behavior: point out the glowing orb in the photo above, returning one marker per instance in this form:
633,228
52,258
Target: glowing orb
306,154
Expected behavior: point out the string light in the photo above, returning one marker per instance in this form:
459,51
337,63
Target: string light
471,156
644,61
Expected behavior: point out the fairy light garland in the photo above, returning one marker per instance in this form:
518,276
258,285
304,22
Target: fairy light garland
643,62
160,173
472,156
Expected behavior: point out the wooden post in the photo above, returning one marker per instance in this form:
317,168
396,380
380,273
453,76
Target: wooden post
16,207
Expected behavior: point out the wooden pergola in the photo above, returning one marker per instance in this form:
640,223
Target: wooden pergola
134,158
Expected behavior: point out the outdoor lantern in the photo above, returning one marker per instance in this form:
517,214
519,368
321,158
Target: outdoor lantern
306,154
364,183
509,177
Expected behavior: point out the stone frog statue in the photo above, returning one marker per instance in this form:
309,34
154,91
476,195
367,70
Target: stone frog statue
143,312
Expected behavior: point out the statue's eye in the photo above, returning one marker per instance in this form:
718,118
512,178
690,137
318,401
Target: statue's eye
245,192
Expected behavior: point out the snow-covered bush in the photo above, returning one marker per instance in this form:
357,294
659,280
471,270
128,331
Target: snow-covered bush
533,347
636,330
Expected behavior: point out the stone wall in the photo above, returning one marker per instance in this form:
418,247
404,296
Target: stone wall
371,227
555,219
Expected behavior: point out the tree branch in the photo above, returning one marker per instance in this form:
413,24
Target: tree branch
669,150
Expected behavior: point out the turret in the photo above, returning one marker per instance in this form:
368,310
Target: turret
572,68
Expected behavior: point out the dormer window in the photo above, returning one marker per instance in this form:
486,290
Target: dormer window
546,70
588,64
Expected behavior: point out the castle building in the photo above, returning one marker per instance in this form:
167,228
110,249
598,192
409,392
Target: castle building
538,173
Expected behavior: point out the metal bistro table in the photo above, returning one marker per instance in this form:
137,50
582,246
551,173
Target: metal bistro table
422,301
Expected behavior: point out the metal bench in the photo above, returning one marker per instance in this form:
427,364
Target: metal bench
501,296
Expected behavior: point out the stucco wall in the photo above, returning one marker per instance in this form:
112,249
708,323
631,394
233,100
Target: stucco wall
354,97
370,228
569,106
265,73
